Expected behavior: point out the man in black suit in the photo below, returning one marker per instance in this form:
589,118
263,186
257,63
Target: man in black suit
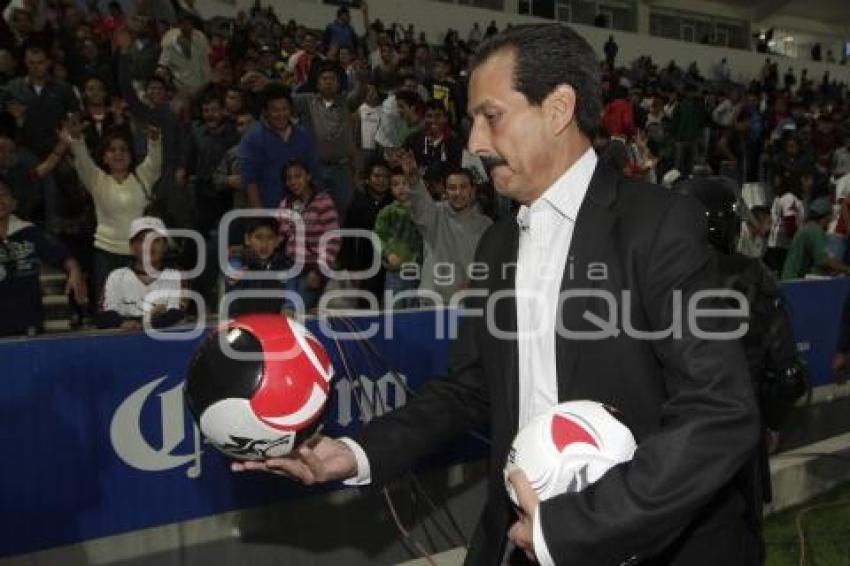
607,327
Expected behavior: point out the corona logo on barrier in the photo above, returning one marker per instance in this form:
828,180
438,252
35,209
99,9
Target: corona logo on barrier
133,448
370,398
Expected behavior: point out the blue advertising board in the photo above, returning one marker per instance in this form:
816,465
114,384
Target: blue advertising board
97,440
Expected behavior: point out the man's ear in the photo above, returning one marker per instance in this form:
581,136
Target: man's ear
559,108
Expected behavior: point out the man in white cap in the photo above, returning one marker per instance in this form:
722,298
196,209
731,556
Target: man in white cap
145,291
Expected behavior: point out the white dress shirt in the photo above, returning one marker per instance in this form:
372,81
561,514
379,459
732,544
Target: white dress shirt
546,231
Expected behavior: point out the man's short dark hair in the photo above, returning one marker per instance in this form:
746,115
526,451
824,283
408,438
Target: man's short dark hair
760,211
547,56
326,67
211,96
455,170
376,162
275,91
255,224
409,98
154,78
35,48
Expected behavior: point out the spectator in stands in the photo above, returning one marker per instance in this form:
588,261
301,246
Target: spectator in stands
326,115
401,244
385,69
358,253
45,100
436,142
140,47
301,61
841,158
100,115
752,241
442,87
185,53
227,178
610,48
153,109
686,127
787,216
450,229
618,115
316,213
339,32
121,191
145,292
21,170
410,111
260,253
23,249
208,142
272,141
808,253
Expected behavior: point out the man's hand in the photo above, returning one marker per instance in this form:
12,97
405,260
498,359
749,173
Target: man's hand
154,133
313,280
408,164
76,285
18,111
393,261
234,182
72,129
320,459
131,326
521,533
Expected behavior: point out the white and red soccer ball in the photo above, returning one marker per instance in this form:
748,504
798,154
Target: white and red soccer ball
258,386
568,448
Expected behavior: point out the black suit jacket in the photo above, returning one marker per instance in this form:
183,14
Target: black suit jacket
687,400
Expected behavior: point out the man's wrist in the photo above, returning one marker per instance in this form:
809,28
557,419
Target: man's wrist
363,474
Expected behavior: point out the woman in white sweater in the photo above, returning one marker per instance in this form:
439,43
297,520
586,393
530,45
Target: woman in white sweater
120,190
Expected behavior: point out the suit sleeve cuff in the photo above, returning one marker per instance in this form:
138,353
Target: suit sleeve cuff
364,473
541,551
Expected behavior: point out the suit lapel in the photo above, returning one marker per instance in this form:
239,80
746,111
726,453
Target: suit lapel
505,316
592,230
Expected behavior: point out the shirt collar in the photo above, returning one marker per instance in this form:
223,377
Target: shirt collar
567,193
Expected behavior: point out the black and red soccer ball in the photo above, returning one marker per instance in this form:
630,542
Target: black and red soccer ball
258,386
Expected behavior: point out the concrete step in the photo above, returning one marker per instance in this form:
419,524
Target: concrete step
54,301
58,325
52,280
804,472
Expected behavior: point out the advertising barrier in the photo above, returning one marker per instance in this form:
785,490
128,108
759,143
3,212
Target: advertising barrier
97,439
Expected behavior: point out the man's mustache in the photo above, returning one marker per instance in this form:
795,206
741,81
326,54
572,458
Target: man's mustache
491,161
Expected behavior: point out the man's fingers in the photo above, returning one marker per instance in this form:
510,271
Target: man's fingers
313,463
525,494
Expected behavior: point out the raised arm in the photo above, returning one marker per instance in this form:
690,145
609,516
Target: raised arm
151,168
89,173
423,209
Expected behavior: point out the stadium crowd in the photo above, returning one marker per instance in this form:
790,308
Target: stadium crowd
115,127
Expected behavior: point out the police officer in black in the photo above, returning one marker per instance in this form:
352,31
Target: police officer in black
778,374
